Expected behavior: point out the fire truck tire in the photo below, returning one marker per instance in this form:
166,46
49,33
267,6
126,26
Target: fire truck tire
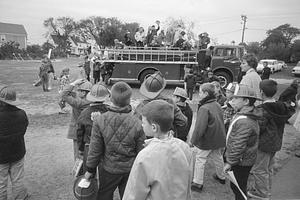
224,77
145,74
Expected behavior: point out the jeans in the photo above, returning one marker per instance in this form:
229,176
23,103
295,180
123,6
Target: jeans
14,171
109,183
262,175
201,157
241,174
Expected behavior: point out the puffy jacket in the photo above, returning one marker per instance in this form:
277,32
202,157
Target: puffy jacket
274,116
77,105
117,137
242,141
180,121
13,125
209,132
85,123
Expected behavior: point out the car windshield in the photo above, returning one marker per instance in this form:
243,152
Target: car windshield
298,64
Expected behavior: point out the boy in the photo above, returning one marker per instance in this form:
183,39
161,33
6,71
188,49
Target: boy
162,170
208,136
117,137
179,97
78,102
98,95
152,88
265,74
242,138
189,84
275,114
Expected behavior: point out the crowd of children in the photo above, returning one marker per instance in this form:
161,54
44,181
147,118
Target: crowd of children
152,151
124,143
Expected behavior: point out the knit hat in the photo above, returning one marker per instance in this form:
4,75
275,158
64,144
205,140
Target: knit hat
245,91
120,94
180,92
98,93
86,86
268,87
153,85
160,112
8,95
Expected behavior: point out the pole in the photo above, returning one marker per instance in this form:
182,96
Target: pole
244,19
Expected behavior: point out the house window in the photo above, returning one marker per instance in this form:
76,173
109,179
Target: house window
2,38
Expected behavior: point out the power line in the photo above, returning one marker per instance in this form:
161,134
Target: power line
228,32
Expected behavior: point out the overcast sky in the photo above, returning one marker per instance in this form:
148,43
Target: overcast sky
220,18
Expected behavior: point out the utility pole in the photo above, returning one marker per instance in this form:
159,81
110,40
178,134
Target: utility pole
244,19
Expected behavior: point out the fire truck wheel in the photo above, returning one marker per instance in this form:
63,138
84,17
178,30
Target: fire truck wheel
145,74
224,77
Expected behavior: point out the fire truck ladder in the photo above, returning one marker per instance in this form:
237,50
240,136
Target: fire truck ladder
152,55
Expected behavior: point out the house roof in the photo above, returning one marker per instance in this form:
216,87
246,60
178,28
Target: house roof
55,39
12,28
77,40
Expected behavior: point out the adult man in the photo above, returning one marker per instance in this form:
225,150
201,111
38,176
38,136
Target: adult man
78,102
13,125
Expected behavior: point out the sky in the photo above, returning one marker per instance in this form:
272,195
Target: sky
221,19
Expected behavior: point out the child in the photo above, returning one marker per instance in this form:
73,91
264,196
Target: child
152,89
208,136
274,116
189,84
265,74
117,137
64,79
98,95
228,109
179,97
162,170
219,93
242,138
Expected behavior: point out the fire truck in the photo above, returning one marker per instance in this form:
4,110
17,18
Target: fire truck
136,64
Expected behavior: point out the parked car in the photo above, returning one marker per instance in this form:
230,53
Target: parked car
296,69
282,64
272,64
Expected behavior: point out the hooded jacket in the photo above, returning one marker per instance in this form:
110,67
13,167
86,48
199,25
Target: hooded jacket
274,116
242,140
289,94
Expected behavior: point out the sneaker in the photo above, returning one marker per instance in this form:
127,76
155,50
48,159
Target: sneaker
196,187
222,181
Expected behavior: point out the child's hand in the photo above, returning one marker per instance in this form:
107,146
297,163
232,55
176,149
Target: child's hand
88,175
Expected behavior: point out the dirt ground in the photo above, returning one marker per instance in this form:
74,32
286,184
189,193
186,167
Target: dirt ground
49,157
